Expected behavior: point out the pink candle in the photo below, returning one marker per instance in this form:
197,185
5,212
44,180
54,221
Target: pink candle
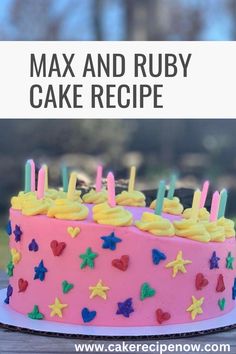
205,188
111,189
214,206
99,178
41,183
32,165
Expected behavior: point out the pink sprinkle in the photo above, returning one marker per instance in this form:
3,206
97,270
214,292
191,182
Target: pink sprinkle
99,178
205,188
41,183
214,206
111,189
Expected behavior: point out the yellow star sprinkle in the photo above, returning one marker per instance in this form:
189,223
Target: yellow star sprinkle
195,308
15,255
99,289
57,308
178,264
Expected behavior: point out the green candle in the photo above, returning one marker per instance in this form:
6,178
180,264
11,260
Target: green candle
223,202
64,171
171,190
27,177
160,197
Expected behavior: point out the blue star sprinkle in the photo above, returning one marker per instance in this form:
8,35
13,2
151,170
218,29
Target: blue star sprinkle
33,246
125,308
40,271
9,294
110,241
157,256
17,232
214,261
234,290
8,228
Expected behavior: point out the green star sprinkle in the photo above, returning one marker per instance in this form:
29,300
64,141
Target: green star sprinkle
88,258
229,261
10,268
35,314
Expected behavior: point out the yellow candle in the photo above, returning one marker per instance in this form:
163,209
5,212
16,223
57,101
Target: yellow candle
196,204
132,179
46,177
72,185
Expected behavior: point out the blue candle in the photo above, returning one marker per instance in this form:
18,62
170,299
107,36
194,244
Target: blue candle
223,202
27,177
160,197
171,190
65,180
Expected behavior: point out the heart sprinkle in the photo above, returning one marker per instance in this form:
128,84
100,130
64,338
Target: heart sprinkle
200,281
57,247
220,284
162,316
33,246
122,263
146,291
73,231
87,315
66,287
22,284
221,303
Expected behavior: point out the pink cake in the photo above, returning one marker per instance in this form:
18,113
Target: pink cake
88,272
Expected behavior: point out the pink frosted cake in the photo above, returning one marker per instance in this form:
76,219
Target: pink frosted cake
87,261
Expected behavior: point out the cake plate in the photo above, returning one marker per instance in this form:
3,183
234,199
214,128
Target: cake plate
16,321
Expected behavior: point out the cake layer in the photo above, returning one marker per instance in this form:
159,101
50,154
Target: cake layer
116,276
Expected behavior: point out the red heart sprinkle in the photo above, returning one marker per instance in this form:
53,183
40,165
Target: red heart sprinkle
22,284
162,316
121,263
200,281
57,247
220,284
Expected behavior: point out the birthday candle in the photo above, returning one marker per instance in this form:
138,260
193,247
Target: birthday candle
132,179
205,188
223,202
111,189
46,176
72,185
195,204
160,197
99,178
32,165
41,183
64,171
171,190
27,177
214,206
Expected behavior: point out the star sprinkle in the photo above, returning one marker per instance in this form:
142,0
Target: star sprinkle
15,256
178,264
195,308
88,258
110,241
229,261
125,308
157,256
8,228
234,290
35,314
9,294
99,289
57,308
214,261
17,232
40,271
10,268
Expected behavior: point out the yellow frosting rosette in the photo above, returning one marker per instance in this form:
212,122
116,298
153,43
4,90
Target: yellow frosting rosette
17,201
94,197
155,224
68,210
216,232
59,194
228,226
34,206
189,228
170,206
132,198
116,216
203,214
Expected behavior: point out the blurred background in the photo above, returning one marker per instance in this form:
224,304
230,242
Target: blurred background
117,20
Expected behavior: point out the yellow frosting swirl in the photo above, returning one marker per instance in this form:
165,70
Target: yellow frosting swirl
94,197
203,214
189,228
228,226
216,232
116,216
170,206
34,206
17,201
58,194
155,224
134,198
68,210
